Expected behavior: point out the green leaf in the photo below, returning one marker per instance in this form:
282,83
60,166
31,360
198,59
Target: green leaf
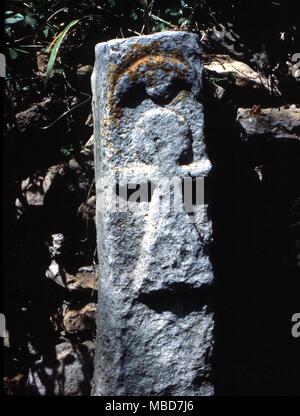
161,27
7,30
46,32
134,16
56,47
183,4
29,20
13,54
16,18
173,11
182,21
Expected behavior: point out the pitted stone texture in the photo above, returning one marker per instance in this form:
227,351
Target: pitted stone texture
156,321
158,125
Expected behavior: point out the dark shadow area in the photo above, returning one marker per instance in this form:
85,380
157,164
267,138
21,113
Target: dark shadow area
133,97
187,156
180,299
135,92
176,86
254,264
33,304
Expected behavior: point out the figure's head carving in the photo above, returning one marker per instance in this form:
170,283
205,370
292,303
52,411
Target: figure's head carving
151,73
159,77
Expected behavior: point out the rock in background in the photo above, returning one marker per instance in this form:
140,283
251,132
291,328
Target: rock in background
67,373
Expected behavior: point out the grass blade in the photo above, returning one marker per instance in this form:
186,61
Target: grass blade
55,48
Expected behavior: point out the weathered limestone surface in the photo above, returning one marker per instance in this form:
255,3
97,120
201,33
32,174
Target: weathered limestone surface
156,321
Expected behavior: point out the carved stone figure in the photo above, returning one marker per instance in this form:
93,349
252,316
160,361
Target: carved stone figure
155,317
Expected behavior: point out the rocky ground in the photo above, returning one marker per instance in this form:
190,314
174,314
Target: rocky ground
51,277
60,299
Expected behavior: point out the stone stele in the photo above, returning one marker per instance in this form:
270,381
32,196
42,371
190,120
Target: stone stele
155,319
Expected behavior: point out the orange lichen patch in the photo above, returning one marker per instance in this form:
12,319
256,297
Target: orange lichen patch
147,66
150,62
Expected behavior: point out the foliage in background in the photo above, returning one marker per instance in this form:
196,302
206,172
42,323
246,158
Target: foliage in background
64,32
257,27
39,25
55,45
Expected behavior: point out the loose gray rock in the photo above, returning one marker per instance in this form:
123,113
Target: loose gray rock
237,73
275,123
34,189
156,320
